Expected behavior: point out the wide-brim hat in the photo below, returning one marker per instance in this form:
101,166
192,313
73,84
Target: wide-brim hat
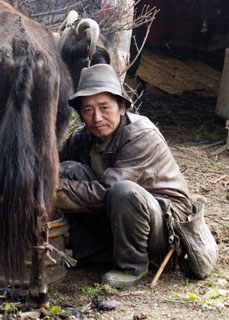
96,79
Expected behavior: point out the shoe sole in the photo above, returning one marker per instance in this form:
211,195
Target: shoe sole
121,284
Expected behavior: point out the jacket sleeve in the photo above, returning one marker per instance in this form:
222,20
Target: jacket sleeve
132,159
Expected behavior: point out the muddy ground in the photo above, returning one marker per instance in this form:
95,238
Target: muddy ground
194,133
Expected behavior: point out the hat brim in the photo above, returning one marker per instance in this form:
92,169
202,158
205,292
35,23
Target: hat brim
74,100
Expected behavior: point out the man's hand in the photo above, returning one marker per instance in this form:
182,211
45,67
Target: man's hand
64,202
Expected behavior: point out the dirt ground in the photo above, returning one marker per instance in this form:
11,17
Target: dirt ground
194,134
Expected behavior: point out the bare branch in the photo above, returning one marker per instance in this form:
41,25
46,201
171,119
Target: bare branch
111,19
117,19
139,50
135,91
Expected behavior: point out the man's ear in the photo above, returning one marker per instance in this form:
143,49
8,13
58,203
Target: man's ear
123,107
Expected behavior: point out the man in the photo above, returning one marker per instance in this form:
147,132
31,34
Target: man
115,172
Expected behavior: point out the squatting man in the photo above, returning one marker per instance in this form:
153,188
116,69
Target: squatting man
114,171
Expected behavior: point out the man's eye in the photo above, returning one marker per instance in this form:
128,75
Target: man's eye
87,110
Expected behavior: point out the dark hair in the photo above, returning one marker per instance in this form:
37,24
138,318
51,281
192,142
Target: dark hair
118,99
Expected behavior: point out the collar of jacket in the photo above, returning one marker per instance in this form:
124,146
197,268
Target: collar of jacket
115,141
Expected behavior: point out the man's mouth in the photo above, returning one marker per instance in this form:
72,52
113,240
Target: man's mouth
99,127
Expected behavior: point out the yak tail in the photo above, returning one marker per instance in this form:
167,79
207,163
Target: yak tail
18,222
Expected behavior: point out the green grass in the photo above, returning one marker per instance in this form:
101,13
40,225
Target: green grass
98,289
205,134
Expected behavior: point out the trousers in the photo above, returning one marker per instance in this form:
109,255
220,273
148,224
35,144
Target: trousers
130,223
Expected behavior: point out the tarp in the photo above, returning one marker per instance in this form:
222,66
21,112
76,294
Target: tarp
175,76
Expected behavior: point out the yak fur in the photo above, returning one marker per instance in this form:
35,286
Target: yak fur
34,114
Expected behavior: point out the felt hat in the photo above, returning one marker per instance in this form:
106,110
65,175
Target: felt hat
96,79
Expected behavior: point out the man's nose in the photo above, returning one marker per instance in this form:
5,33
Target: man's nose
98,116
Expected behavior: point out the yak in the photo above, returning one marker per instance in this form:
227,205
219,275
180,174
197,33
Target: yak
34,113
80,44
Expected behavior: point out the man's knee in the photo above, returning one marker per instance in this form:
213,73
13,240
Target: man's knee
124,198
121,191
74,170
130,194
127,200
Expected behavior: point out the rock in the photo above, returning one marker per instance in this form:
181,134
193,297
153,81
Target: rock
72,312
140,316
30,315
103,303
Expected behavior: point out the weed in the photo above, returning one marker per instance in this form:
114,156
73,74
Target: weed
98,289
204,134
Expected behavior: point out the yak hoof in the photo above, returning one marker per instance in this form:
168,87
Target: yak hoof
37,299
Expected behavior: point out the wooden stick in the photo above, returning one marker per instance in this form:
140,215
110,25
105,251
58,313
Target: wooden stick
162,267
220,150
220,178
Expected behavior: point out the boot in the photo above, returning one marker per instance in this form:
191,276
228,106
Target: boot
120,279
199,244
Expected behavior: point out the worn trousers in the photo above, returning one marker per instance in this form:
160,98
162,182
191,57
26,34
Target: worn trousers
130,222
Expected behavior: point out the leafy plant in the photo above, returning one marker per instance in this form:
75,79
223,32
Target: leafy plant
98,289
215,292
9,306
193,296
55,309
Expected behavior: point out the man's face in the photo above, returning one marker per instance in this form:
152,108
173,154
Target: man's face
101,113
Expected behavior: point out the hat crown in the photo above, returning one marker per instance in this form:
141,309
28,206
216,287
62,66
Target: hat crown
97,79
99,76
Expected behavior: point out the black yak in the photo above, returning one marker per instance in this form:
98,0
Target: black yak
81,44
34,88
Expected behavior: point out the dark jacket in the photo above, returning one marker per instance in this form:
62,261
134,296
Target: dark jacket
137,152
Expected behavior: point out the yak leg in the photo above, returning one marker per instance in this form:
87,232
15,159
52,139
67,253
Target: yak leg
38,291
38,288
47,175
